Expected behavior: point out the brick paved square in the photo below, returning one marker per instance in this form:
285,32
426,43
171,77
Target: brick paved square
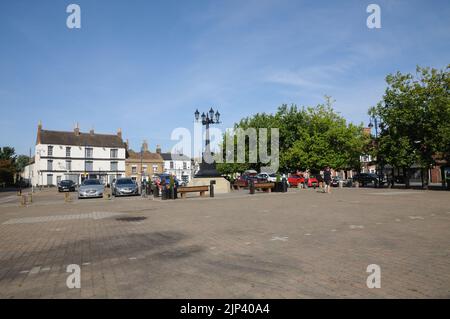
302,244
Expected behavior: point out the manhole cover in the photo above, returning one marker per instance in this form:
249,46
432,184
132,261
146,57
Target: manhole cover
131,219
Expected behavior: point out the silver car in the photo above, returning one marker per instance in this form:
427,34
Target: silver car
91,188
125,186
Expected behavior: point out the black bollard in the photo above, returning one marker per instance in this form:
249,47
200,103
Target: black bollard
284,185
251,186
211,188
171,192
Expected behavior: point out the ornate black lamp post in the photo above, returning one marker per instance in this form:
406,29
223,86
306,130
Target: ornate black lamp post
374,124
207,167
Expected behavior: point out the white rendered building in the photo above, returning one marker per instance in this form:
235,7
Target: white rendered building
77,156
177,164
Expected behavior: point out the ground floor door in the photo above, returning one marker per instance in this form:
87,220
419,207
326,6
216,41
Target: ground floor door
49,179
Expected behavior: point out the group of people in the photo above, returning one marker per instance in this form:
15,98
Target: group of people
325,181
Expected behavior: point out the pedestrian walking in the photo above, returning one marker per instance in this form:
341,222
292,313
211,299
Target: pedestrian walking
327,179
319,181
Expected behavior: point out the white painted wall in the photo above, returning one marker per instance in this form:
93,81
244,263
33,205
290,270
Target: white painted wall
178,170
101,162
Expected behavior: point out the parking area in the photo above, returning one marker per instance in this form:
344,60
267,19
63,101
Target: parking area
300,244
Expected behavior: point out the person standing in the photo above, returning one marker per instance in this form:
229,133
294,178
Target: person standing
327,179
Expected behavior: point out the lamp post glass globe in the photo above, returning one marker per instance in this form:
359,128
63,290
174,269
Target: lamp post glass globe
217,116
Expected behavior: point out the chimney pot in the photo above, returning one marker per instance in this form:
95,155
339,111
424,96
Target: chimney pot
145,146
77,129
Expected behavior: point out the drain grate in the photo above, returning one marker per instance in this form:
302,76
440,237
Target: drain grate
131,219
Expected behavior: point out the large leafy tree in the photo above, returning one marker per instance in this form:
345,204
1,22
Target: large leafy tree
7,165
415,118
325,139
310,138
21,162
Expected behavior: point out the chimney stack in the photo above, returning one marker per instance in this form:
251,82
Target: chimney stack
145,146
91,131
38,137
77,130
119,133
158,149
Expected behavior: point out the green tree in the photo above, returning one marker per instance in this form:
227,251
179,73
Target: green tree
415,119
310,138
7,165
21,162
325,139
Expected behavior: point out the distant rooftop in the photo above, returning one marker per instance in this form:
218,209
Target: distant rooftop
78,138
175,157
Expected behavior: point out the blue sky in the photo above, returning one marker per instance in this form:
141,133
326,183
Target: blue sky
145,66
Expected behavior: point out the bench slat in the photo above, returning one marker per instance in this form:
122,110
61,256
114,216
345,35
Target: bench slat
189,189
264,185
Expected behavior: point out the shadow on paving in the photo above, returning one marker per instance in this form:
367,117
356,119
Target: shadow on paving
162,244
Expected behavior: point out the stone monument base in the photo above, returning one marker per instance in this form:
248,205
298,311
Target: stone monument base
222,185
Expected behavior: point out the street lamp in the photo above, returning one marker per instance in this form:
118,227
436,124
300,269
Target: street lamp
197,114
207,118
372,125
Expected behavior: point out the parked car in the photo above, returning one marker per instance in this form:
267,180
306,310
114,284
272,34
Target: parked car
368,178
295,179
313,181
125,186
244,179
91,188
66,186
266,177
399,179
335,181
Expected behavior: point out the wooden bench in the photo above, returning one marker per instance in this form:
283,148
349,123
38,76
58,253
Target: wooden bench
238,184
192,189
266,187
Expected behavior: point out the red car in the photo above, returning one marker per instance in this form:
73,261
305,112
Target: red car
313,181
295,179
242,181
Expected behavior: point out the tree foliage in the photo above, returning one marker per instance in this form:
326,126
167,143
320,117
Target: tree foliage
415,118
7,165
11,164
310,138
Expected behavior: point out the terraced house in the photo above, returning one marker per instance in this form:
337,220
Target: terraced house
76,156
143,165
